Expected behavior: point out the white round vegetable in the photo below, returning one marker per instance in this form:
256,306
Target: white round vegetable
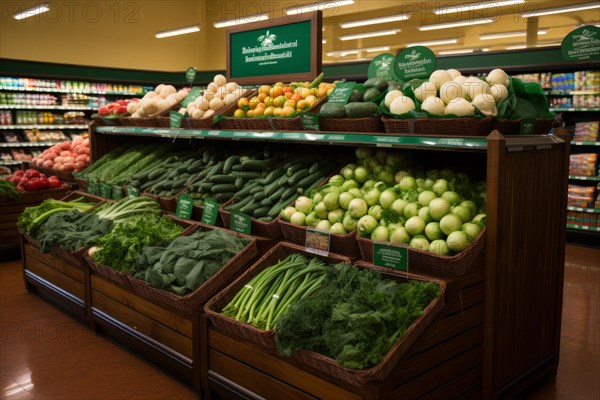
497,76
162,105
230,98
149,95
167,90
460,107
454,73
159,88
390,96
231,86
450,90
426,89
402,105
208,113
500,92
212,87
204,105
220,80
132,107
172,99
486,104
433,105
208,95
439,77
149,107
197,113
475,86
216,104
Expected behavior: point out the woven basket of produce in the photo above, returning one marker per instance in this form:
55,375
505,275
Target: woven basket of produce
465,126
268,229
365,124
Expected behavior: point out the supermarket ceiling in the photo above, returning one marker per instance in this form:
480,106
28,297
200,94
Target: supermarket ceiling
121,33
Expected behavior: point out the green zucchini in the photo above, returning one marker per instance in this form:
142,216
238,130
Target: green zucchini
229,163
222,178
223,187
261,212
301,174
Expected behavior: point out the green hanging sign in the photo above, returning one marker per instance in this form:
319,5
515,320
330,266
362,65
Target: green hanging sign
382,66
190,74
184,206
192,95
414,62
582,44
390,256
210,212
240,222
175,119
341,93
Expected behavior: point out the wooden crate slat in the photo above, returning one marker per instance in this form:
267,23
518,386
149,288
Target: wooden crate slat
56,277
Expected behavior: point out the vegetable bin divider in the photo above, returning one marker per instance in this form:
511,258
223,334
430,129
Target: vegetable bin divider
323,365
209,288
430,263
230,326
464,126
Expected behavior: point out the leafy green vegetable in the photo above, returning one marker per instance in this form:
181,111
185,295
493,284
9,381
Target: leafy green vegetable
186,262
32,219
119,247
355,318
73,230
8,189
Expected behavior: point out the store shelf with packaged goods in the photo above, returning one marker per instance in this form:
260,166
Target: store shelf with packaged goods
582,143
11,163
584,209
30,144
585,178
14,84
572,92
36,126
574,109
586,228
45,107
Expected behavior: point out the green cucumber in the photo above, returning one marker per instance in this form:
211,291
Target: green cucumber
377,82
360,110
221,197
229,163
310,179
223,187
261,212
222,178
245,174
298,176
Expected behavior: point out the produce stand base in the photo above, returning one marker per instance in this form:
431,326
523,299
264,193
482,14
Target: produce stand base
445,362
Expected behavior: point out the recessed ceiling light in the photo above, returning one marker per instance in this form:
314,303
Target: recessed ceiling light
454,8
30,12
502,35
373,21
560,10
460,51
447,25
433,42
369,34
323,5
243,20
342,53
178,31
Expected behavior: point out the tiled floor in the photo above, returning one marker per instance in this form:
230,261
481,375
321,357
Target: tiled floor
44,354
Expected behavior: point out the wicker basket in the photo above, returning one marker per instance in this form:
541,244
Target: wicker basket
324,365
507,127
259,228
82,184
242,330
64,175
209,288
339,244
271,123
209,122
439,126
366,124
430,263
37,196
107,272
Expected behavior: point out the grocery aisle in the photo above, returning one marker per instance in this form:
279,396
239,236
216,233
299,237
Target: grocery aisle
44,354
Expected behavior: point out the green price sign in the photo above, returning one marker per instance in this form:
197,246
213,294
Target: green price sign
117,193
192,95
175,119
414,62
382,66
341,93
527,127
310,121
210,212
105,190
240,222
582,44
133,191
184,206
190,74
390,256
93,187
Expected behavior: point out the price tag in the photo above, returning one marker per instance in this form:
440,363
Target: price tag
210,212
105,190
190,74
317,242
192,95
240,222
390,256
341,93
117,192
93,187
133,191
175,119
310,121
184,206
527,127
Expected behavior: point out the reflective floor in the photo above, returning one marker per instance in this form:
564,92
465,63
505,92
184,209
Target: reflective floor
45,354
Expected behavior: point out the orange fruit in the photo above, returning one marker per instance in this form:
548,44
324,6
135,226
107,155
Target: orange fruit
262,96
258,111
296,97
302,105
279,101
253,102
288,111
239,113
268,101
243,103
311,99
277,111
290,103
250,113
269,111
264,89
276,91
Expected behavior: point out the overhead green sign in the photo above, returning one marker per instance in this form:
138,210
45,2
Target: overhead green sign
382,66
582,44
273,50
414,62
190,74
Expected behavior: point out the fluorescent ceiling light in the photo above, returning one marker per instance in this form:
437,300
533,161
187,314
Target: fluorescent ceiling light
369,34
30,12
522,46
461,51
560,10
243,20
548,44
322,5
447,25
178,31
433,42
474,6
502,35
373,21
324,40
516,47
485,49
596,23
342,53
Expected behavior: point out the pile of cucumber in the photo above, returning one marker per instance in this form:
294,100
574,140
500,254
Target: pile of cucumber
278,186
363,101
